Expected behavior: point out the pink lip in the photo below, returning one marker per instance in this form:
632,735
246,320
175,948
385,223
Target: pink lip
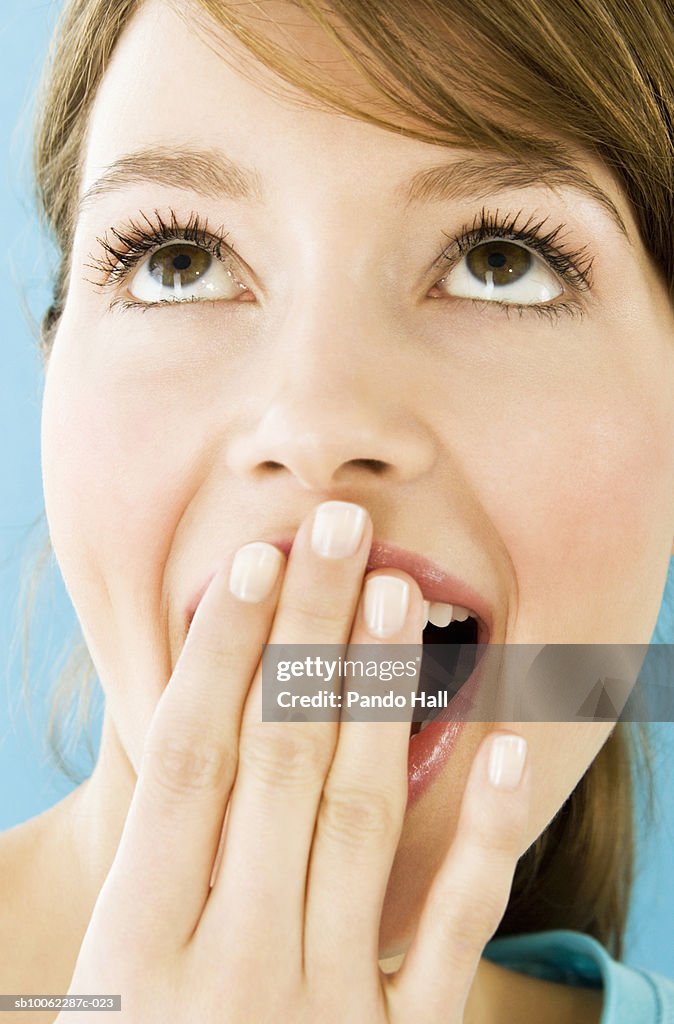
435,583
430,749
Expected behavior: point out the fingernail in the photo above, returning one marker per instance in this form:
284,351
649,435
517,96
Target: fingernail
506,761
338,529
386,602
255,568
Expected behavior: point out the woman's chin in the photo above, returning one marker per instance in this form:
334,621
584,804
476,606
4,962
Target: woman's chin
406,895
398,923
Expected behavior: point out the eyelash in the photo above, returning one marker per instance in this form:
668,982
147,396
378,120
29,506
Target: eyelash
135,240
117,263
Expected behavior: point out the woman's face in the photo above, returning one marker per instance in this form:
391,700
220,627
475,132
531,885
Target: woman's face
528,451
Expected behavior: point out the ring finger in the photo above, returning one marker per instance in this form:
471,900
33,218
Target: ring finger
363,802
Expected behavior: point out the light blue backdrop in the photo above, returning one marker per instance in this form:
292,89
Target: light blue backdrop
29,784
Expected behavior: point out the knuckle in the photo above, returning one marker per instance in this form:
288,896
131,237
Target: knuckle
506,842
325,607
211,653
484,917
217,654
356,817
284,755
499,839
183,763
468,930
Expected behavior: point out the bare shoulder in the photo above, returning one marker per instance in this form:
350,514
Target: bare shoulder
19,851
33,850
25,961
34,950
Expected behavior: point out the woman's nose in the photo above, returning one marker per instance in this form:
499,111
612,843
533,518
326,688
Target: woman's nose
336,397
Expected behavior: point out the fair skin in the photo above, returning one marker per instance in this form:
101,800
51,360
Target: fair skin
335,344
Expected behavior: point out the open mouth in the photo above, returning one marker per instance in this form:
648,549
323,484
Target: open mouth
450,655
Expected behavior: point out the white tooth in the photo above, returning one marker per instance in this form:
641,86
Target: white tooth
427,605
460,614
440,613
426,722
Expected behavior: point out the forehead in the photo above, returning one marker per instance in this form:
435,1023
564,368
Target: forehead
179,80
182,78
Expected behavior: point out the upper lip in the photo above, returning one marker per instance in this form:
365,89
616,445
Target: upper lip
435,583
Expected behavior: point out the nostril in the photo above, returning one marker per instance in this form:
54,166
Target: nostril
376,465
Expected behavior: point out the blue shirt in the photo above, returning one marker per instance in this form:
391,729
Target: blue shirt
631,995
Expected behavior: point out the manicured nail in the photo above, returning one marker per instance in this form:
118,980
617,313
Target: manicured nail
338,529
387,599
254,571
506,761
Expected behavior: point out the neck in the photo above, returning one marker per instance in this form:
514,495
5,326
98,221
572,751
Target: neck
94,816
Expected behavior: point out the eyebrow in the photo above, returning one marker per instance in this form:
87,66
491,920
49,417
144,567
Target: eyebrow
477,177
211,173
206,171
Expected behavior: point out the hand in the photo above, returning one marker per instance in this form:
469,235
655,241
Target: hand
289,930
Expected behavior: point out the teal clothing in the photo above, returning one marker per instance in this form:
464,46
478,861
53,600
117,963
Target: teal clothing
631,995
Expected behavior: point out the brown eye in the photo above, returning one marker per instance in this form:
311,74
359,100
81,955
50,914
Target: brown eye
505,272
185,262
499,261
180,272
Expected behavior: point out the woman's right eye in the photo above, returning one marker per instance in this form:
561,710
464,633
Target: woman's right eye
182,271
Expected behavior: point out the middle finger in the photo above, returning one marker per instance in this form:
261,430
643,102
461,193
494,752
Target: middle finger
260,885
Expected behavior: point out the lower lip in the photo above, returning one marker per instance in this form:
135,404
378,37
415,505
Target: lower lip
430,750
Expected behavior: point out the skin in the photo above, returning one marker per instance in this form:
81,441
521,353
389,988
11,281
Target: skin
159,426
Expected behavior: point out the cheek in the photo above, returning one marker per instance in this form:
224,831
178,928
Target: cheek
583,497
118,473
577,480
104,468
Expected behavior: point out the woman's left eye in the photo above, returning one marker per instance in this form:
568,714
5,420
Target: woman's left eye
503,271
182,271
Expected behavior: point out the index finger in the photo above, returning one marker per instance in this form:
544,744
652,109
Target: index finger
168,846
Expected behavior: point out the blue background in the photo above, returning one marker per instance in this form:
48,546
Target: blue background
29,783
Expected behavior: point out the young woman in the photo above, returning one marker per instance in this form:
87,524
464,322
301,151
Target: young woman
360,305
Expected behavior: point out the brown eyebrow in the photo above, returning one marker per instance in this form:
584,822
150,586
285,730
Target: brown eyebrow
211,173
477,177
207,171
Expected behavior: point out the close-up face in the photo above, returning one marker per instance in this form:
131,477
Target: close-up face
504,412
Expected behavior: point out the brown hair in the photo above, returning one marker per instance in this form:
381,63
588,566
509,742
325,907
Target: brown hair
522,77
